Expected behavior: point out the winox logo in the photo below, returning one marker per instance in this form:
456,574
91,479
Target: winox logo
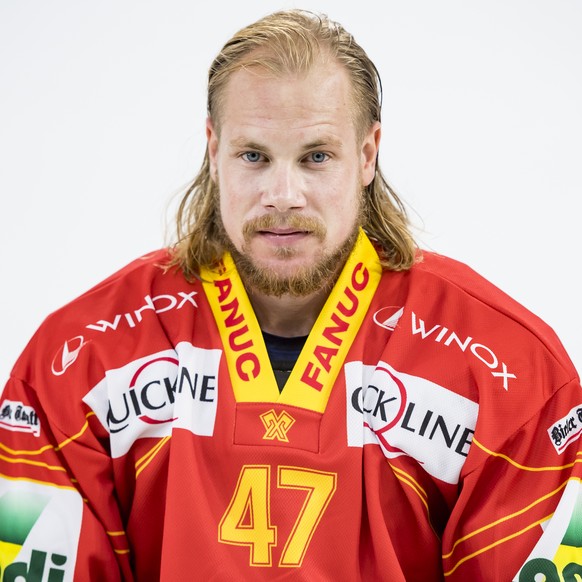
408,415
156,304
481,352
147,397
68,353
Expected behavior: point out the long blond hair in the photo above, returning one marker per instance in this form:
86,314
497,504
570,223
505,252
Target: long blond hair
285,42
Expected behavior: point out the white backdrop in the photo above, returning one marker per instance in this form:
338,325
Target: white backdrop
102,111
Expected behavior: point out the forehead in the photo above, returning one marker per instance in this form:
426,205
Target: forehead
321,95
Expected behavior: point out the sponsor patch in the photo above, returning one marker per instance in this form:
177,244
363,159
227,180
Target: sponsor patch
447,338
558,553
157,304
151,395
17,417
567,430
39,531
409,415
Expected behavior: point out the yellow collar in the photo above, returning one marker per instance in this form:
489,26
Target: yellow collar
325,350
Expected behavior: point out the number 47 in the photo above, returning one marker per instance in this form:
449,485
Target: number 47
247,519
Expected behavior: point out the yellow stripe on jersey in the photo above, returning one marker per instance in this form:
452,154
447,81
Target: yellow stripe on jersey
415,483
505,518
525,467
496,543
49,447
142,463
33,463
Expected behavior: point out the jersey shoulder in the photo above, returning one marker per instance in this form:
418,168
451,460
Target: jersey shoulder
447,285
128,300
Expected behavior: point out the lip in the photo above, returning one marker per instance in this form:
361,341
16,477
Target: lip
283,236
282,232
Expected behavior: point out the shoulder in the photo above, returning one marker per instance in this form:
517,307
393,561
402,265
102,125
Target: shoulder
452,307
108,316
472,295
119,293
447,324
445,272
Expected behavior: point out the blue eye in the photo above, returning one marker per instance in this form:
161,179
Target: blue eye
318,157
252,157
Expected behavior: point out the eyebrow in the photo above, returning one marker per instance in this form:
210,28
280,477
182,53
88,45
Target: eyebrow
241,142
252,145
319,143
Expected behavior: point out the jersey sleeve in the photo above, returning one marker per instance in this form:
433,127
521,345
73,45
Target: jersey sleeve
58,515
519,512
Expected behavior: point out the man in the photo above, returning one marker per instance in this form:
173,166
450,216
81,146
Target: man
294,391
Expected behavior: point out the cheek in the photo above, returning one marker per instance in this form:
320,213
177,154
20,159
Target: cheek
229,192
229,223
232,210
236,188
344,211
343,199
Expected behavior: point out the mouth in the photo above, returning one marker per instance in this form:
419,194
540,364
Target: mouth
282,236
282,232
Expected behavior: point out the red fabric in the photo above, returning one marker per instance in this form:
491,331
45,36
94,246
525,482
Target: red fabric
450,438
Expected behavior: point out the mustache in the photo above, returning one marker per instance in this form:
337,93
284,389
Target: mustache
290,220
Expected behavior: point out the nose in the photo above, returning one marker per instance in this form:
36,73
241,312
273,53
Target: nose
283,188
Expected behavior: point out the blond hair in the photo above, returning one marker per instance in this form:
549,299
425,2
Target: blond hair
291,42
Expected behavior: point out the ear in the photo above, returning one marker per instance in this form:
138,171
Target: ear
369,153
212,147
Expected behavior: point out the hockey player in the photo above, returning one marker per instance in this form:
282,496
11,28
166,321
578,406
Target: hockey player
294,390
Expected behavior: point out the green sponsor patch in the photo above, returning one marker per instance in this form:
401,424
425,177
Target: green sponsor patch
19,511
573,535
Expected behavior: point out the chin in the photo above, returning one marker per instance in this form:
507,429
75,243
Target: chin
286,266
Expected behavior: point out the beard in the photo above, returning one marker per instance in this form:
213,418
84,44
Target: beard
322,274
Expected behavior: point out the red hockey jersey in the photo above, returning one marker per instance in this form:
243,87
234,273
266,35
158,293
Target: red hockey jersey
430,430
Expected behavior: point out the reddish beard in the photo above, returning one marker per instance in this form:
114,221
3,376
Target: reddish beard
306,280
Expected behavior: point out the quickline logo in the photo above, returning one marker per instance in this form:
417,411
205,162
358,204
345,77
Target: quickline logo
19,512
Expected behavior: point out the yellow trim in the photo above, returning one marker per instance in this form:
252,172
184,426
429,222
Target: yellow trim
33,463
21,452
121,551
152,451
38,482
115,533
261,387
507,517
313,376
49,447
421,491
411,485
525,467
497,543
75,436
297,392
142,463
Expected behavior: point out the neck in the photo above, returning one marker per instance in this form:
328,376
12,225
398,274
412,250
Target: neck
287,316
